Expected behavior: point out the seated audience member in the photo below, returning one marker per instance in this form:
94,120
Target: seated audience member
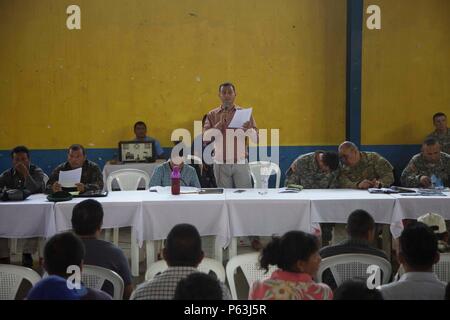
91,176
437,223
162,174
60,252
442,133
361,233
418,252
356,290
87,220
183,253
140,131
22,175
198,286
315,170
429,168
296,254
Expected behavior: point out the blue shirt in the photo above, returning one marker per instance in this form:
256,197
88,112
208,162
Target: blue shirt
159,149
161,176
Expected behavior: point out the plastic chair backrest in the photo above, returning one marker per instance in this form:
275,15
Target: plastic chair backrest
11,277
351,266
207,266
255,171
442,268
94,277
127,179
249,264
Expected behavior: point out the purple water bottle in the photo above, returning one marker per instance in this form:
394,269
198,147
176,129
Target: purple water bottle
175,176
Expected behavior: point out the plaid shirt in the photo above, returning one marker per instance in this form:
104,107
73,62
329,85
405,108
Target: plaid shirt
163,286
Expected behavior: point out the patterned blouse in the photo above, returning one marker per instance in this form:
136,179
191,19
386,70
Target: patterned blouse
283,285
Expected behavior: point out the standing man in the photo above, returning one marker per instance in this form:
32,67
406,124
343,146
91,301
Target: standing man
22,175
234,171
442,133
423,166
140,131
91,176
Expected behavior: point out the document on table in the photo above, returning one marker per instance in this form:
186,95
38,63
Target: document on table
68,179
241,116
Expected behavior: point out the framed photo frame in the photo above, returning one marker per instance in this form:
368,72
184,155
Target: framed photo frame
137,151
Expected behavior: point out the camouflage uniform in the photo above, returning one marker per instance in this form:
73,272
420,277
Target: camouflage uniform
371,166
91,176
418,167
444,140
306,172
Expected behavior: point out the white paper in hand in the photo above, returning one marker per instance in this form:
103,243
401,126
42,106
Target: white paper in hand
68,179
240,117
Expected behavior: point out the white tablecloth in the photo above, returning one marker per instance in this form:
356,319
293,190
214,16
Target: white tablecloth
412,207
33,217
207,212
121,209
265,215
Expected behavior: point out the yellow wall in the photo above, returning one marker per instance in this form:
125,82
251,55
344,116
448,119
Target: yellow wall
405,71
162,60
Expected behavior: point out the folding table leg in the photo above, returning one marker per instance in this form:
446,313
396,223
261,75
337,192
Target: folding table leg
150,252
134,254
218,251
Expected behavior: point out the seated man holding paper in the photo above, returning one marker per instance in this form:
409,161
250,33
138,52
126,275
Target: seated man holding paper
77,173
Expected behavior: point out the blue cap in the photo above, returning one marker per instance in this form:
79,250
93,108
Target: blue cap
55,288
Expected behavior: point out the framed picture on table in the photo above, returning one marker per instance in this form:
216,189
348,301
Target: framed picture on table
136,151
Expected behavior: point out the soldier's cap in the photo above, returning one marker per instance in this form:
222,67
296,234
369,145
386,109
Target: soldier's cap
435,221
60,196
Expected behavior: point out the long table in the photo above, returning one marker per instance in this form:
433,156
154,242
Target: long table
227,216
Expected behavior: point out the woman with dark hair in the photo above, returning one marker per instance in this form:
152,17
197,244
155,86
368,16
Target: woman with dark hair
296,254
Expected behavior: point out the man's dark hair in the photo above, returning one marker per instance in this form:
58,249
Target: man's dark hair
356,290
87,217
331,159
430,141
284,252
20,149
227,84
359,223
198,286
76,147
438,114
183,246
140,123
418,246
61,251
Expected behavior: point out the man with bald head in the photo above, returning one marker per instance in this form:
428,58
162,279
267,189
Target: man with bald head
362,169
423,166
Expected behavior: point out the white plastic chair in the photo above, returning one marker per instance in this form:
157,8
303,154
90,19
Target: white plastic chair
207,265
94,277
249,264
127,179
349,266
45,178
11,277
255,171
442,268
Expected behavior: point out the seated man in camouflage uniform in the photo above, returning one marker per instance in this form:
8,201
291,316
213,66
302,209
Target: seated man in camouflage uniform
442,133
363,170
315,170
431,161
91,176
